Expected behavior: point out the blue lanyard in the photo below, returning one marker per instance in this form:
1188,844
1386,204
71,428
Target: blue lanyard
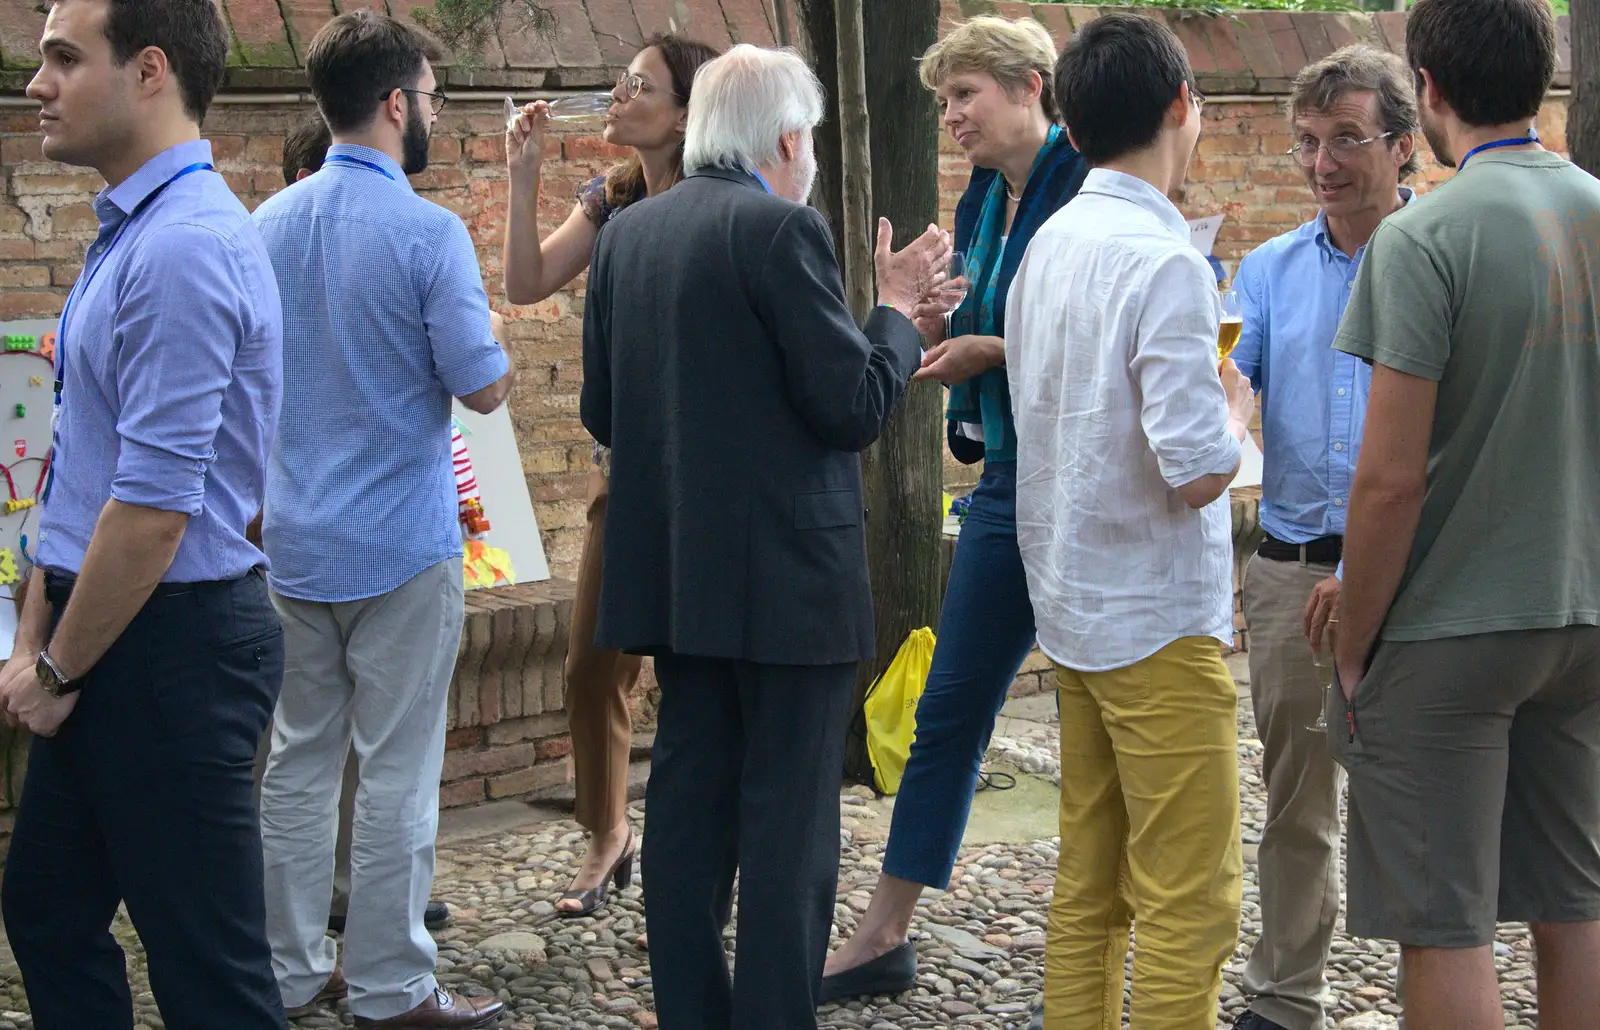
346,159
82,286
762,180
1520,141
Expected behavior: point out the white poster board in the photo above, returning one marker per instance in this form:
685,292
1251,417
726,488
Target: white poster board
1203,232
26,396
492,445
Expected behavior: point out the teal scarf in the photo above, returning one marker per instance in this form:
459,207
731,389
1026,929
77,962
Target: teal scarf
985,399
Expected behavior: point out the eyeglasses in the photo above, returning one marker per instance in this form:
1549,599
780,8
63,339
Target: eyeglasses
632,85
1198,97
1340,149
435,100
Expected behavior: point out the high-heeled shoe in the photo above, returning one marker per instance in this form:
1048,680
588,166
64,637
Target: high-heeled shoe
595,898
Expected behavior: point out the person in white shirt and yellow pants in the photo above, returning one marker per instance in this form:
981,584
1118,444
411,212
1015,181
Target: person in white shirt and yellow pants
1127,441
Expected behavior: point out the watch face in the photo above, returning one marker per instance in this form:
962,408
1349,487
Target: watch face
48,678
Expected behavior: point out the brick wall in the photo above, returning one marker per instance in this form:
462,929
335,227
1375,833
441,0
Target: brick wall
1243,62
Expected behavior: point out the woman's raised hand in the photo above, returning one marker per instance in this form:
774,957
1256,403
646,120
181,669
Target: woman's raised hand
525,135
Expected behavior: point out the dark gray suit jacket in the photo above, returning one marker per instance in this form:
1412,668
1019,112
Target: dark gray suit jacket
723,369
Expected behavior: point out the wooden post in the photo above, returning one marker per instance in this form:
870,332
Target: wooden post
855,129
780,15
903,473
1583,110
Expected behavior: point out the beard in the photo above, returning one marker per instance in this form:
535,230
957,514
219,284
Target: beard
414,144
1438,143
805,175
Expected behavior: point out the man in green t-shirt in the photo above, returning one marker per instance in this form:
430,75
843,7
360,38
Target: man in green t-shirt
1468,653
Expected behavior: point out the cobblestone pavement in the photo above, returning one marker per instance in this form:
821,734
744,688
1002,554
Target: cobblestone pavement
980,945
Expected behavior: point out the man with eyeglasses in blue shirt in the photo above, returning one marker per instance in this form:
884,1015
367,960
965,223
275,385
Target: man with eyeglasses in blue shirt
385,320
1354,116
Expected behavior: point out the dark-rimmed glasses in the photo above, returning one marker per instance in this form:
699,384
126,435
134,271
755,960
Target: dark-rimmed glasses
1340,149
435,100
632,85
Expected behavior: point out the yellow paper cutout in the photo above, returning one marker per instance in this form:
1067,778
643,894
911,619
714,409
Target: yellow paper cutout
8,567
485,566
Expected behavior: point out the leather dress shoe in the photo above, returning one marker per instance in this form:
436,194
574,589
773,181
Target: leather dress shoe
893,972
331,991
444,1010
435,917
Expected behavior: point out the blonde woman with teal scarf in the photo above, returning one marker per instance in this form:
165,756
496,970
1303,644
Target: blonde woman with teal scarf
993,81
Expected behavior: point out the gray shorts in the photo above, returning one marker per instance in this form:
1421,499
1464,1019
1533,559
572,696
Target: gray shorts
1474,786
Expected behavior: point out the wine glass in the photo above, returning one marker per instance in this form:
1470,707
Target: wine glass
955,282
577,107
1231,326
1322,659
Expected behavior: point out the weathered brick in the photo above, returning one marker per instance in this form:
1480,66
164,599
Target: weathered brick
553,748
534,727
16,150
30,304
466,792
53,183
525,781
487,761
65,274
463,738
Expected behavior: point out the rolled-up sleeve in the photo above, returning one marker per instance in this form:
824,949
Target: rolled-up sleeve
466,357
1183,409
182,315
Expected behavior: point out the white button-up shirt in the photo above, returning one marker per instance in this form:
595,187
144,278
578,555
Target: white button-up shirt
1111,350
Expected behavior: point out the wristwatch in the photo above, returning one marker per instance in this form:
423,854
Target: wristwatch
52,680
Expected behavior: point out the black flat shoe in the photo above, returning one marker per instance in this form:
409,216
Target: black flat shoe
893,972
595,898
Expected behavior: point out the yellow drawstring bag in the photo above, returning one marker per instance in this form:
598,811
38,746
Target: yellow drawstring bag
891,709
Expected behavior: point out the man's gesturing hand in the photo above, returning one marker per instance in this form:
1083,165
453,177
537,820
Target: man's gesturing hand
906,276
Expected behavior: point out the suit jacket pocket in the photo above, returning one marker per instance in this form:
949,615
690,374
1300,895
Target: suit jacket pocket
827,509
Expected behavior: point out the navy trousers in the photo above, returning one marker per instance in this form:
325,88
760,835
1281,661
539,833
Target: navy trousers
146,797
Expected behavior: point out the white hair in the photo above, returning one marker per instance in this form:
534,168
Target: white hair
744,101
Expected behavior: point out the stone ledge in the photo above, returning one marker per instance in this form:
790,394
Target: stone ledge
506,725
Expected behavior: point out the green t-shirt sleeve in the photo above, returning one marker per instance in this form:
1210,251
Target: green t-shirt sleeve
1399,310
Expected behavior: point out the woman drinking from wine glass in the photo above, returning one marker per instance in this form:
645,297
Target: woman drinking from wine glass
649,111
993,81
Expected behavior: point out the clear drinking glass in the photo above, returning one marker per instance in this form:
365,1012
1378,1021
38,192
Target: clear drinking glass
579,107
955,282
1322,659
1231,326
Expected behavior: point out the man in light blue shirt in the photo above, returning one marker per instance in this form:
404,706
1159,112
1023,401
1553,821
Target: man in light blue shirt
148,656
1353,117
385,320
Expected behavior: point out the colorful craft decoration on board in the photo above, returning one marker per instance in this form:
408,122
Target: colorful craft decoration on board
486,566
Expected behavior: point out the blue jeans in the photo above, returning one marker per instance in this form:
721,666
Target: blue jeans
985,632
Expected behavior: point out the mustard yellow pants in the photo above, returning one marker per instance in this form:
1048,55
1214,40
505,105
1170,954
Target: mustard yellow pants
1149,825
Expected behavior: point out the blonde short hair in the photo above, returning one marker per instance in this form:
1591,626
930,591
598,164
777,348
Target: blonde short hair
1006,50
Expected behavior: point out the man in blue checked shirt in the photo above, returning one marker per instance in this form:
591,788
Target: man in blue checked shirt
148,656
385,320
1353,118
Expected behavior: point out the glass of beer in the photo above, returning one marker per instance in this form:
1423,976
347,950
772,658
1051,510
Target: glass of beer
1231,326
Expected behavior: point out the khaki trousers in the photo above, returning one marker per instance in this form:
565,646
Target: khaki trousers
1149,824
1298,864
599,683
